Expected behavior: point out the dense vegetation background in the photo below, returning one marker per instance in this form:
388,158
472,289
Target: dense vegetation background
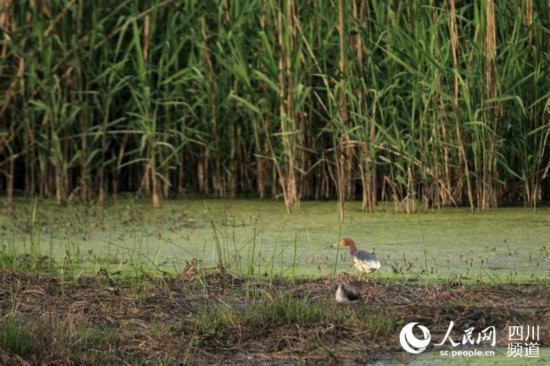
442,101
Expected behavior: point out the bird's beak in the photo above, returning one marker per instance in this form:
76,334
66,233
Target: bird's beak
339,244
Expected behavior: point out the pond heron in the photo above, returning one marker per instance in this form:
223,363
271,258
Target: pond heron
365,262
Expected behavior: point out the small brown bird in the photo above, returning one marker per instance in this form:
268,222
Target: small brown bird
365,262
344,296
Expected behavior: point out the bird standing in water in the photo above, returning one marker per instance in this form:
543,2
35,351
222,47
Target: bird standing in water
364,261
344,296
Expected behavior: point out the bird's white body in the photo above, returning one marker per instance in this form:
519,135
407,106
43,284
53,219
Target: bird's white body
345,297
365,262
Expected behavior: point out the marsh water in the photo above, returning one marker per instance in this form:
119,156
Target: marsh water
259,238
434,358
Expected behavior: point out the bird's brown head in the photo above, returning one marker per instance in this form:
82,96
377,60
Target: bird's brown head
346,242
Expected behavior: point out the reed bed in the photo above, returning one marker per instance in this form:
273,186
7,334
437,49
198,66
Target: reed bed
432,103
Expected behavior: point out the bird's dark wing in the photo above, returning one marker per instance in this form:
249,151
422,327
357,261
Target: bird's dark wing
351,296
365,256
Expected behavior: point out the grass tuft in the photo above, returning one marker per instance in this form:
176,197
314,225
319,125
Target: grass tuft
14,338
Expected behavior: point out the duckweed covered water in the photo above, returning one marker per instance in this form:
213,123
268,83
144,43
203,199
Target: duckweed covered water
258,238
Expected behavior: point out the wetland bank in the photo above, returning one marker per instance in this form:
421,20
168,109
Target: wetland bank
240,281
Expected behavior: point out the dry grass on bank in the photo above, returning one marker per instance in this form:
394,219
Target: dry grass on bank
198,318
